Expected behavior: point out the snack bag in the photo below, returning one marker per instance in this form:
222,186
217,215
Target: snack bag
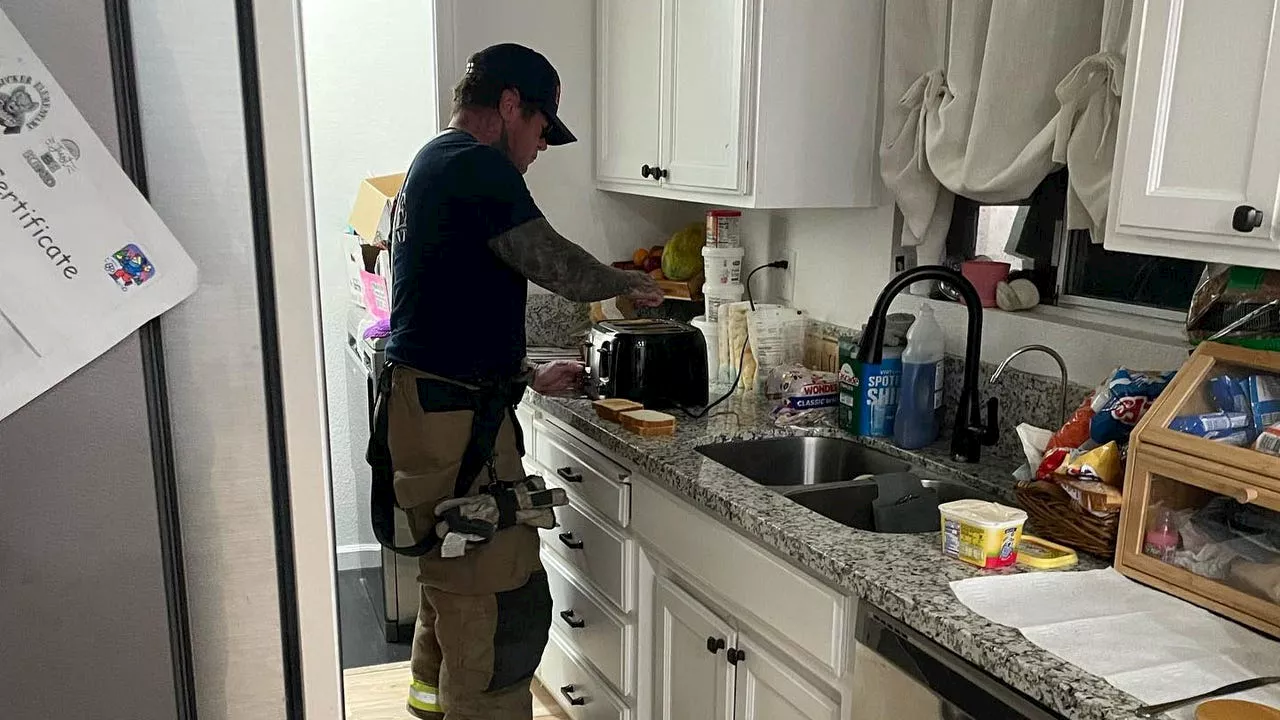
1075,431
1268,441
1103,464
1263,393
1126,398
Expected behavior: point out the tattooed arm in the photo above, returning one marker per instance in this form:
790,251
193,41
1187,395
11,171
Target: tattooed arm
546,257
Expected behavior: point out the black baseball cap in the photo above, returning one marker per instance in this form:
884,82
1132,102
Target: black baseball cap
528,71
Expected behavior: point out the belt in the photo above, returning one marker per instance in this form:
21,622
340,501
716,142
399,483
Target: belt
491,403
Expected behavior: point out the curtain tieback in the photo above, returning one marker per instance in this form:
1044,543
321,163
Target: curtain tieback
1099,73
927,87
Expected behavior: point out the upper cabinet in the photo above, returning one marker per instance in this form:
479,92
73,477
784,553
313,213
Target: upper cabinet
1198,151
745,103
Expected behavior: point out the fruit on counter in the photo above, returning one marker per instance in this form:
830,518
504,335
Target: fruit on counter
639,256
682,258
656,251
656,274
651,263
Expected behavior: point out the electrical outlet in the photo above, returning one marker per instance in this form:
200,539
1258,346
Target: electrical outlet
787,279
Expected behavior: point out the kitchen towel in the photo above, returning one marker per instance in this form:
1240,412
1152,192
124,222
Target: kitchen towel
1153,646
88,261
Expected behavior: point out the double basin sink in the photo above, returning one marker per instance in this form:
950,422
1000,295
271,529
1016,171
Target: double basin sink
830,476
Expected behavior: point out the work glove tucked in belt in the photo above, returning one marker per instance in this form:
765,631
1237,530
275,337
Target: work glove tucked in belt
476,518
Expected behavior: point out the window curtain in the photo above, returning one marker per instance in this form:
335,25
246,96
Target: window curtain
984,98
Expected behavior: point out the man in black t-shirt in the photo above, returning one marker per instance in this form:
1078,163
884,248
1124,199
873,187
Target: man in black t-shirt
467,238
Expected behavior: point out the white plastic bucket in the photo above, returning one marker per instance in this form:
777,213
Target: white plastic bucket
717,295
722,266
710,333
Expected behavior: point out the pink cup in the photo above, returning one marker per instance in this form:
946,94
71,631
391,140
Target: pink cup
985,275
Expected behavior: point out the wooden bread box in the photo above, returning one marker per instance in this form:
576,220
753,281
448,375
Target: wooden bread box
1220,494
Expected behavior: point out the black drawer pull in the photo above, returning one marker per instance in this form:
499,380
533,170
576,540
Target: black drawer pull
736,656
571,620
567,691
569,542
1246,218
715,645
568,475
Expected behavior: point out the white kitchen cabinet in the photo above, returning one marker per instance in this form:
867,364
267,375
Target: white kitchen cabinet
695,680
744,103
1197,162
703,125
628,52
768,688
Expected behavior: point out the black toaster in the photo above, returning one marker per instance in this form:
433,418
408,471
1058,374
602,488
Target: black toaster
659,363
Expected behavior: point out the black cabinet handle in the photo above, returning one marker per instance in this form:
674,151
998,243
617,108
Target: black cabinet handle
568,692
1246,218
715,644
736,656
571,621
660,174
568,475
646,171
569,542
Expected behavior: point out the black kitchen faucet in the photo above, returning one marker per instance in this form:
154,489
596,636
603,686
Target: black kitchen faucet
970,433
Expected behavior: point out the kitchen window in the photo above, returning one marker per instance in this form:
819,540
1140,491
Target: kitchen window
1067,267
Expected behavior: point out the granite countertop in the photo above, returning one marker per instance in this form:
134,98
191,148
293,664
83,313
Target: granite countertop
904,575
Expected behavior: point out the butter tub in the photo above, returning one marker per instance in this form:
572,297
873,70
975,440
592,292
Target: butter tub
981,533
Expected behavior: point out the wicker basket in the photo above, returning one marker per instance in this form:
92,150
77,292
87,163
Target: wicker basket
1051,514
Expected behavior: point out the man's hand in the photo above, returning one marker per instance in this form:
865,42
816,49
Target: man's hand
644,291
559,377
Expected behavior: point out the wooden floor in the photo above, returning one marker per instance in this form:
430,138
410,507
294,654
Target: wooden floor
378,693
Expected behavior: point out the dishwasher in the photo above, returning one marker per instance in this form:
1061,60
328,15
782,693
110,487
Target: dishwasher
898,673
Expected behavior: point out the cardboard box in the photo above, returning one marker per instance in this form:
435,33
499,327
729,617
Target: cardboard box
371,214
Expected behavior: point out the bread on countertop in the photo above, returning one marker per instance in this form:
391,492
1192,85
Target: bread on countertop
609,409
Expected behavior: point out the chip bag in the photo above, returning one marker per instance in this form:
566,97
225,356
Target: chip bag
1127,397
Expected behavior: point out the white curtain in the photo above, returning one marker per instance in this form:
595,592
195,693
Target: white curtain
984,98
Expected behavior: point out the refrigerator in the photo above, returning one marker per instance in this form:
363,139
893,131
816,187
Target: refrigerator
165,534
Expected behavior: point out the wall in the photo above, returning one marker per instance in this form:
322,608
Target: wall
81,582
371,98
562,181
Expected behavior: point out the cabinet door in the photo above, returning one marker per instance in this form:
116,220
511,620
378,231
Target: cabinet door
769,689
627,82
692,681
704,116
1203,133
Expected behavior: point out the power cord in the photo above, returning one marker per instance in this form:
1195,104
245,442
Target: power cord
742,355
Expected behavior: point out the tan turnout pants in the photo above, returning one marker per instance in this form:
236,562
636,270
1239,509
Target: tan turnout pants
484,617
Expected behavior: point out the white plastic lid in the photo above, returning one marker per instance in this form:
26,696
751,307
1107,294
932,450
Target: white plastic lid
983,513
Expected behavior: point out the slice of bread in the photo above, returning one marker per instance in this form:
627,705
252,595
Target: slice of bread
610,408
648,422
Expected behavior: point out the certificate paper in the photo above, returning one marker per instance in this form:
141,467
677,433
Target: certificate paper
86,261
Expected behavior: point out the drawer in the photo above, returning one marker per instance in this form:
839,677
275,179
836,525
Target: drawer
565,677
597,632
597,480
798,608
596,551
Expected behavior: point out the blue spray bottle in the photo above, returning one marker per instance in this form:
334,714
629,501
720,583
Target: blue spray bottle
920,398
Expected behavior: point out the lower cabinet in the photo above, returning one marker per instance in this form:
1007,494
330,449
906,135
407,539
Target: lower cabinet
691,657
705,667
632,643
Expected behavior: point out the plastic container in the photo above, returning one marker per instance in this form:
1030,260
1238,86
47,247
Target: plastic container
724,228
981,533
710,333
985,276
915,424
717,295
722,266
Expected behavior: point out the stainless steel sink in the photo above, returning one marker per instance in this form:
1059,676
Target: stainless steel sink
850,503
802,460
